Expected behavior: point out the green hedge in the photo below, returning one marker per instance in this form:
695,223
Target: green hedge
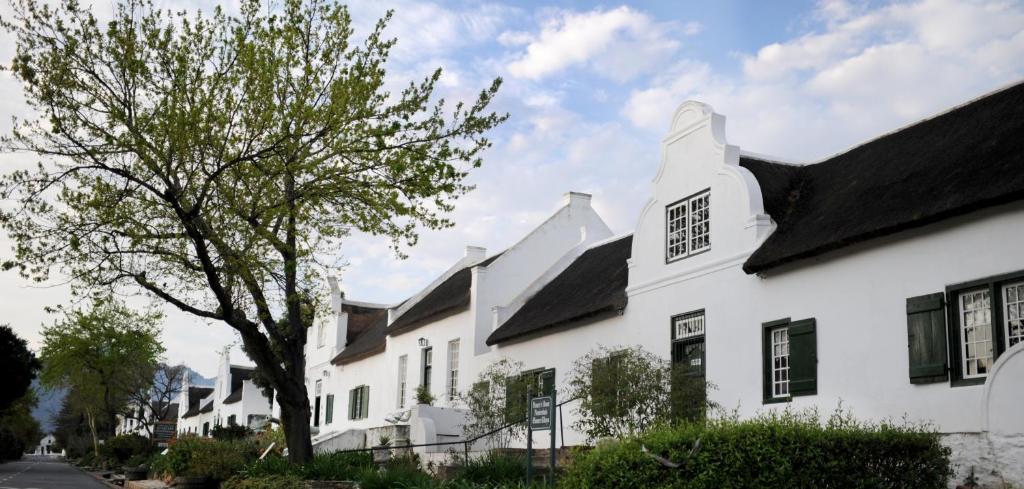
774,451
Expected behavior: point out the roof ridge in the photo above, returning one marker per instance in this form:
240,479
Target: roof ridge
917,122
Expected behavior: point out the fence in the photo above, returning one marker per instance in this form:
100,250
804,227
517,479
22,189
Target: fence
469,442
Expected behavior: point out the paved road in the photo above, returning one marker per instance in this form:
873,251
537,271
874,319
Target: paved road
44,472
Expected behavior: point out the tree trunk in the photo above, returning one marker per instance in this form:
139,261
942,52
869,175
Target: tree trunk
92,429
295,421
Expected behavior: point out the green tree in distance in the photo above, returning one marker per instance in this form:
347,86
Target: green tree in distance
102,354
218,161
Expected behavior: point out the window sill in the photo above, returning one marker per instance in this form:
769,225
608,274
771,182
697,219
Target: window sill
776,400
967,382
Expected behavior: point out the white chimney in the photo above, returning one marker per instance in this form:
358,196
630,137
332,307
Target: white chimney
476,253
336,294
576,199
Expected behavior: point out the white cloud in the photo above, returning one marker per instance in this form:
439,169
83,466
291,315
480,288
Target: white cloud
618,44
865,72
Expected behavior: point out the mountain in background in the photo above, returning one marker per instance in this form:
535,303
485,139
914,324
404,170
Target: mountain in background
50,400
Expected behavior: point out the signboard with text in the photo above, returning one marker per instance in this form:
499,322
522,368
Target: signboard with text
540,413
164,431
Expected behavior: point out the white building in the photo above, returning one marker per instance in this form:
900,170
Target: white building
889,277
128,425
233,400
46,445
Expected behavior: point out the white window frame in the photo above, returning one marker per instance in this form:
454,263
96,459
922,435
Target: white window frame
780,355
403,379
1013,310
983,326
688,230
452,384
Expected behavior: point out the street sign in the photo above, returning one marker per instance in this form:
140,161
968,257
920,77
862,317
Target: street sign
540,413
163,431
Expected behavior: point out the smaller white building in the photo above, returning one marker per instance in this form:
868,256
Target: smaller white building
141,419
47,445
234,399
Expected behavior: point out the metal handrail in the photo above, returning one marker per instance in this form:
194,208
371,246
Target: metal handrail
466,443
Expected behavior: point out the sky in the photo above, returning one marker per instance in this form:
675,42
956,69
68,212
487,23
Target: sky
590,88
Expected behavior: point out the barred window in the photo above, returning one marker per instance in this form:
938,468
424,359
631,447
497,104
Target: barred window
688,226
403,376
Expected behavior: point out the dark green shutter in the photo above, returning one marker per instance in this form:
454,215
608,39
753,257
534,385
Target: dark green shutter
803,358
547,382
926,339
351,404
364,408
329,415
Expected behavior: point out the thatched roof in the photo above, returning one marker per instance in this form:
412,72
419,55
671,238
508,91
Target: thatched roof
590,288
964,160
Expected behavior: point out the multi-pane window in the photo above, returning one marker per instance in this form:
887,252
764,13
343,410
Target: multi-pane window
780,362
403,373
359,402
976,332
453,369
688,226
688,343
428,368
1013,313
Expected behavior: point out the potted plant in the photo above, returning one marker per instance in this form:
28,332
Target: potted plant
382,452
423,396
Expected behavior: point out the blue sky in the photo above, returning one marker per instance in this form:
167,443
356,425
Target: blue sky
590,87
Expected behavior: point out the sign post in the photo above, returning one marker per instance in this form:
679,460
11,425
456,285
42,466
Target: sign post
542,417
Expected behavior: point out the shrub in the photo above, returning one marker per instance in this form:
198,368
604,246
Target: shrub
774,450
337,466
11,447
217,459
119,449
495,467
264,482
626,391
230,432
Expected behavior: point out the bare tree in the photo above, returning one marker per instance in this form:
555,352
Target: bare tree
152,404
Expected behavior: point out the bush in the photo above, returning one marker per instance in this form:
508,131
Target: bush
218,459
119,449
324,466
337,466
230,432
11,447
264,482
775,450
493,468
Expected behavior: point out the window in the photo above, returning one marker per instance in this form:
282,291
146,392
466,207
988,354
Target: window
790,363
536,382
321,336
688,342
206,428
453,370
403,373
976,332
316,403
329,410
358,402
1013,313
780,362
688,226
231,420
985,318
428,367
